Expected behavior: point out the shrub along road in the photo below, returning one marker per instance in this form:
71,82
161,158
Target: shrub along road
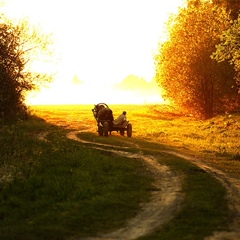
168,198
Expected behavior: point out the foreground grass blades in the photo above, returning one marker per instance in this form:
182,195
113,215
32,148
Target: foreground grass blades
205,206
58,189
54,188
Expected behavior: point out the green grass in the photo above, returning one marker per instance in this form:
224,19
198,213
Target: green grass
214,138
116,139
59,188
205,206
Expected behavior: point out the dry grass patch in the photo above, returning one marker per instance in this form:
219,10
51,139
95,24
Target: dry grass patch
216,139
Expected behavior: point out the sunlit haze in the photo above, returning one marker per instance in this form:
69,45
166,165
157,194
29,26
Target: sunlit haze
105,47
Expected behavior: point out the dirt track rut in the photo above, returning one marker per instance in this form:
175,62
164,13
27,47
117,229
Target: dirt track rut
167,201
232,186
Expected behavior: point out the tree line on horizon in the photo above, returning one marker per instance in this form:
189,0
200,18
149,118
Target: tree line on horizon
198,66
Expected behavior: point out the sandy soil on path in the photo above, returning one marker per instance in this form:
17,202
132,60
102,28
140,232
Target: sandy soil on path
232,186
167,201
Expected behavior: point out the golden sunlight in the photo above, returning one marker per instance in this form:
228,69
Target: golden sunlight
106,48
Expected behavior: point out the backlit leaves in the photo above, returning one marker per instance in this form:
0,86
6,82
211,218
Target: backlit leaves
20,45
184,67
229,48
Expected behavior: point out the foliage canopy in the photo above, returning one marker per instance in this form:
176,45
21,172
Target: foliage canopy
229,48
232,5
191,79
20,45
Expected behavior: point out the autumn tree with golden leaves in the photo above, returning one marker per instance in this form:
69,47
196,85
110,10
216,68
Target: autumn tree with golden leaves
232,5
229,49
192,80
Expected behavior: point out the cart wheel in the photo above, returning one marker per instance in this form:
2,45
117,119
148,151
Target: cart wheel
105,129
100,130
129,130
122,132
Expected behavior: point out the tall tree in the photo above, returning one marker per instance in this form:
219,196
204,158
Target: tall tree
229,48
20,45
190,78
232,5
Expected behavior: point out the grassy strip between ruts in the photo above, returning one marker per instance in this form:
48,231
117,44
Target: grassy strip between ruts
205,206
56,189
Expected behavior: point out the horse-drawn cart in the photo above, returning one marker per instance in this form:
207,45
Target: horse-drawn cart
104,117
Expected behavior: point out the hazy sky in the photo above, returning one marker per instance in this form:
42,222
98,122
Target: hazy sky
100,41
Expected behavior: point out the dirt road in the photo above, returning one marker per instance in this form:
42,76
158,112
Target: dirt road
232,186
167,200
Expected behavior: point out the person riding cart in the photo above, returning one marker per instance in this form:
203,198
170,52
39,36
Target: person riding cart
106,123
121,121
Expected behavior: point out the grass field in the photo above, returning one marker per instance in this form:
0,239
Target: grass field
52,187
216,139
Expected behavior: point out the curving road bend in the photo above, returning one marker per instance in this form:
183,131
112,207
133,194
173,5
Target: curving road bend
164,203
168,199
232,186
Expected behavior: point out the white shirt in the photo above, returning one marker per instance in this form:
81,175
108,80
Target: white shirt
120,119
